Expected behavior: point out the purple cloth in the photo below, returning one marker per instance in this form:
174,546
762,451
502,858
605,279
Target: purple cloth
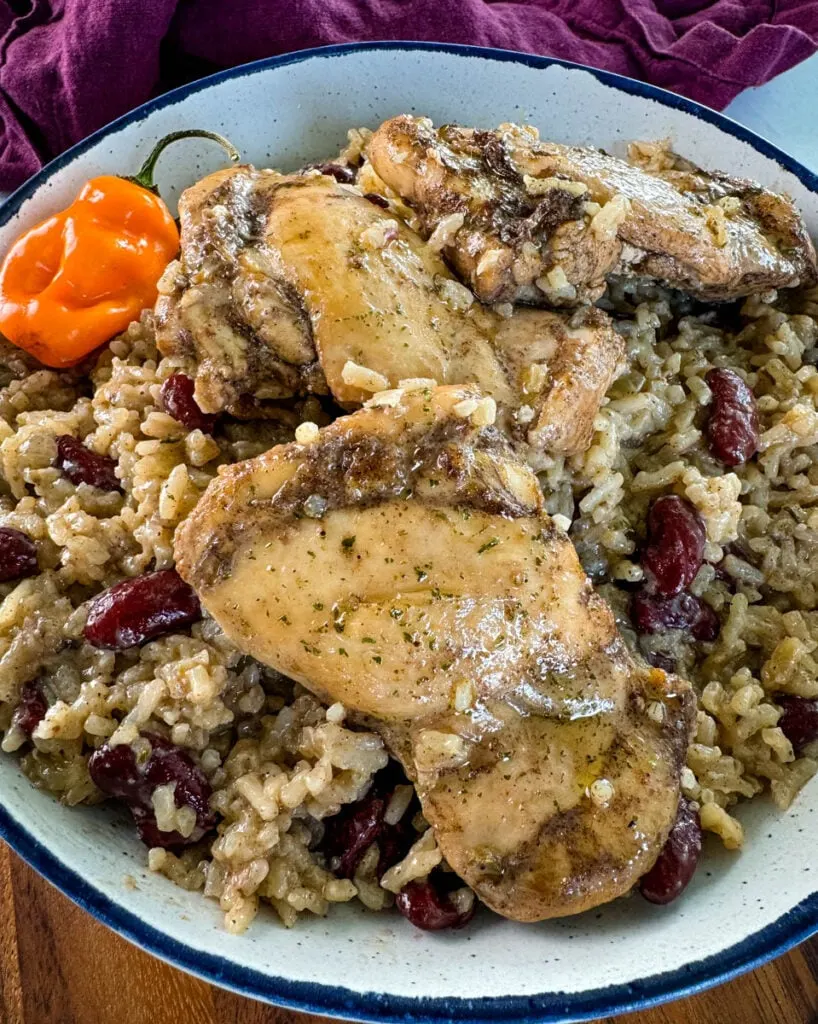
69,66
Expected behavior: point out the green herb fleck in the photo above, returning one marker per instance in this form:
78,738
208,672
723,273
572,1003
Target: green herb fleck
348,543
489,544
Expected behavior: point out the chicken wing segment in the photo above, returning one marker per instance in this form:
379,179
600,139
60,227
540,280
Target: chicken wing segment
539,221
402,564
286,274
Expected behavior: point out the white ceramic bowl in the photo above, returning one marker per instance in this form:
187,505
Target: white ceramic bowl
740,909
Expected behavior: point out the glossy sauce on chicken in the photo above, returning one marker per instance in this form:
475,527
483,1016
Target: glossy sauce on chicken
286,280
403,565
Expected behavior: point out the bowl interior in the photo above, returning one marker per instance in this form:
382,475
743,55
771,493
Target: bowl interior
284,115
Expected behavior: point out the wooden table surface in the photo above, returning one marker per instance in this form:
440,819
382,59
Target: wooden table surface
59,966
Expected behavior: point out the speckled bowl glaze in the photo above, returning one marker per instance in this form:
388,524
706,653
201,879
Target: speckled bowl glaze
740,909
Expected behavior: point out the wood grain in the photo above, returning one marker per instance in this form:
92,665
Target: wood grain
59,966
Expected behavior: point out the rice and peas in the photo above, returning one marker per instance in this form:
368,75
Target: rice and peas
280,765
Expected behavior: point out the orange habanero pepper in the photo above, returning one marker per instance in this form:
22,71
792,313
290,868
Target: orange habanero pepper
72,282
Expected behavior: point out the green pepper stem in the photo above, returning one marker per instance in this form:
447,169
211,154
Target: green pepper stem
144,176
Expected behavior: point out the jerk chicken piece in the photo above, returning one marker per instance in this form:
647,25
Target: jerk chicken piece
309,272
227,305
539,221
403,565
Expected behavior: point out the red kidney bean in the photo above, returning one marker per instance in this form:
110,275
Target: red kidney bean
350,833
115,771
707,625
652,613
342,173
799,719
373,197
151,835
394,843
82,466
732,422
32,708
675,548
18,555
678,860
137,610
178,402
169,763
429,908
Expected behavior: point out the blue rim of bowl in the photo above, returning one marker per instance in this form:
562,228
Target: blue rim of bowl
787,931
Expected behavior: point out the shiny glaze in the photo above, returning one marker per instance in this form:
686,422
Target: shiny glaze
378,305
360,286
432,566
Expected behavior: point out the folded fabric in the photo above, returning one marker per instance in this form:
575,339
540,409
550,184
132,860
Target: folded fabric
69,66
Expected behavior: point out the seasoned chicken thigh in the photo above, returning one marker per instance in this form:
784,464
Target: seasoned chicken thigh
227,306
536,221
377,295
403,565
313,273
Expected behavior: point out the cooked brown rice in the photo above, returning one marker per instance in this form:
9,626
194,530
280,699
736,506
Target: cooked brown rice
279,763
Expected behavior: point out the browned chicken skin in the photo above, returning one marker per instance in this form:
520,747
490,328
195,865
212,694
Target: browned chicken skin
543,222
288,279
231,311
403,565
